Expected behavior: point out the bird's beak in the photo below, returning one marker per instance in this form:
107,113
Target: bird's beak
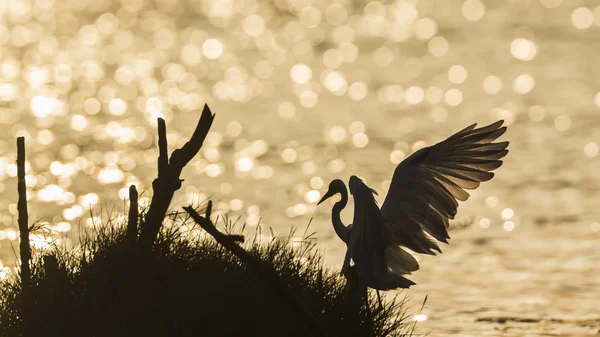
327,195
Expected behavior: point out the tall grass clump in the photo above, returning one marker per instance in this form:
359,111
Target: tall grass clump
188,285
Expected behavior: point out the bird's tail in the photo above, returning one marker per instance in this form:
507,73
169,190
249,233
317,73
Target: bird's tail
389,282
397,263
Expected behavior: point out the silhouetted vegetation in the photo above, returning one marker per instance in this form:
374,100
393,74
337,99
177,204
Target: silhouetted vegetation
166,277
188,285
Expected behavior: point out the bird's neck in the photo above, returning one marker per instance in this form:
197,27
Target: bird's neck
342,231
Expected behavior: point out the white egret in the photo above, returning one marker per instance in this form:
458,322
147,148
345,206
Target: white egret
422,198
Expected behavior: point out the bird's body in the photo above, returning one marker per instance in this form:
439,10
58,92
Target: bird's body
422,198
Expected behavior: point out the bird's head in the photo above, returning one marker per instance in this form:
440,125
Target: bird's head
356,185
335,186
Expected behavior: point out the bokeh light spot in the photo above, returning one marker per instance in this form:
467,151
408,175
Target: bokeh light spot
582,18
301,73
212,48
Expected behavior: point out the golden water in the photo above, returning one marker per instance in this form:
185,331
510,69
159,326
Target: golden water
306,91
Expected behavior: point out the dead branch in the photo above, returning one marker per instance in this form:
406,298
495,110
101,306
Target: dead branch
25,249
168,174
163,154
133,214
266,272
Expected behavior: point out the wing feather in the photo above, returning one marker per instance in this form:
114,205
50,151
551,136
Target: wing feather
427,186
479,164
462,132
458,179
457,169
434,224
482,147
456,191
437,195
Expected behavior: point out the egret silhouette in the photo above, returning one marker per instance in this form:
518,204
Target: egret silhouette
421,199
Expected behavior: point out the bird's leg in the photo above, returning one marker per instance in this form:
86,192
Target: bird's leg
379,299
365,294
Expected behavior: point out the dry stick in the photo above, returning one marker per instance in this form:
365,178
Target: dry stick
25,250
133,214
163,154
266,272
208,209
168,174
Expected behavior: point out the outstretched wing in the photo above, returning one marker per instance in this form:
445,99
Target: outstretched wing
368,244
426,186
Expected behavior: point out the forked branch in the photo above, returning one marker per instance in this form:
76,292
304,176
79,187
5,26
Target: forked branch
168,174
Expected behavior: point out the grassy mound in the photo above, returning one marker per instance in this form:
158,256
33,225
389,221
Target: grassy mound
188,286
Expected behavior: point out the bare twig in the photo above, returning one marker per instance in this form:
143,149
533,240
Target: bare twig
133,214
209,209
266,272
163,154
25,250
168,174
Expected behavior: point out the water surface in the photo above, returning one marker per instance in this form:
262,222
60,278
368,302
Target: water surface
309,91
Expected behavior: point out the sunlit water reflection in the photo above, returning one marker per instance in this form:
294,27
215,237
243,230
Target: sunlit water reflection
308,91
